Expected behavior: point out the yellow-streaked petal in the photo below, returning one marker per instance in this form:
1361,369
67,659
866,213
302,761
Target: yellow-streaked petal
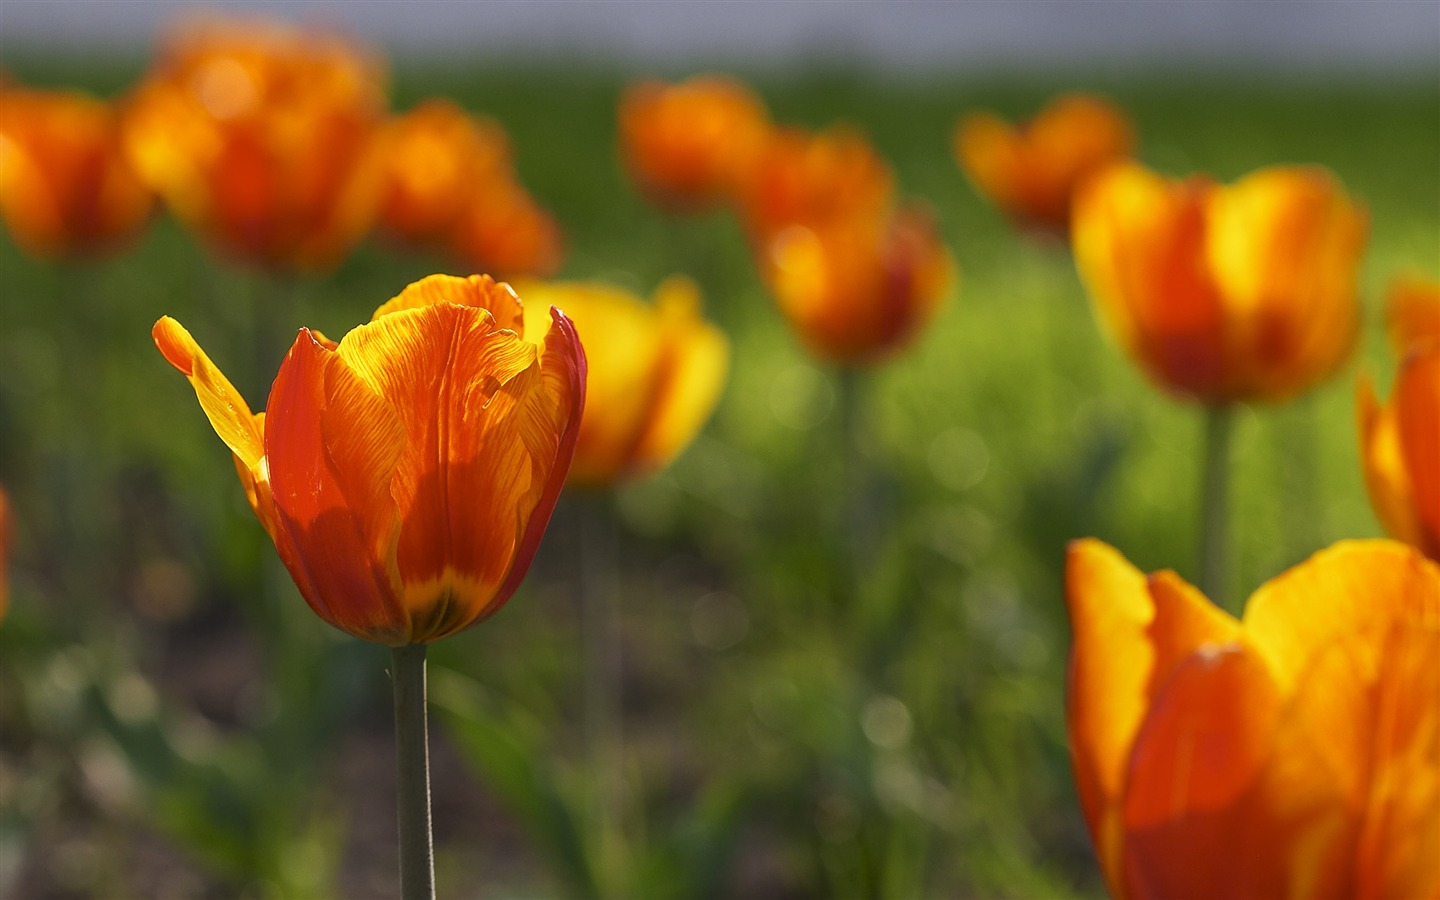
696,359
1128,635
227,411
480,291
1351,586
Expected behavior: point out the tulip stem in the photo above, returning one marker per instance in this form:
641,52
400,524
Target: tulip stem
1214,507
412,757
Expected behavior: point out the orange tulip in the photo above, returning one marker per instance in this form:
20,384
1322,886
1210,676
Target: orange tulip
66,188
655,374
861,288
1220,293
505,230
437,158
815,179
1413,312
1292,753
262,138
1400,443
407,473
1033,170
689,146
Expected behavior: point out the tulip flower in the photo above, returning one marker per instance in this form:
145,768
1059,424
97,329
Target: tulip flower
690,146
859,289
815,179
262,139
66,188
1291,753
1032,171
437,158
505,230
1400,443
1413,312
406,473
655,374
1223,293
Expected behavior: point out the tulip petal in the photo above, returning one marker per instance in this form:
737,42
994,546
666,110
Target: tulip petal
692,374
227,411
332,444
1417,410
1128,636
1190,830
477,453
479,291
989,151
1412,313
1386,478
1335,593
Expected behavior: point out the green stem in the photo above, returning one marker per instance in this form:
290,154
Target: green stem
602,661
412,757
1214,510
859,512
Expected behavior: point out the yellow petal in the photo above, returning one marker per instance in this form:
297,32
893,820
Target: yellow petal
1128,636
1386,478
480,291
1349,587
227,411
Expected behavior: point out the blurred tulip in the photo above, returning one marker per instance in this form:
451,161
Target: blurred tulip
815,179
66,188
7,540
407,473
1413,312
261,137
506,231
689,146
859,289
1294,753
1222,293
1400,443
437,158
655,373
1031,171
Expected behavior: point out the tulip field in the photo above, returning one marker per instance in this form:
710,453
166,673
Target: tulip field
812,643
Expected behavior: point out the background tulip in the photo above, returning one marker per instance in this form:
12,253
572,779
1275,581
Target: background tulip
261,137
689,146
655,370
1031,171
815,179
1222,293
66,188
1400,442
407,473
1293,753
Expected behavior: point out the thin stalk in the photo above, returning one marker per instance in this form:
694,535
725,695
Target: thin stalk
412,758
1214,506
602,661
859,500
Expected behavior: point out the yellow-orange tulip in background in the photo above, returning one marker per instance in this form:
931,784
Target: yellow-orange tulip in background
450,184
407,473
1294,753
261,137
1031,171
655,373
861,288
66,188
1400,443
1223,292
689,146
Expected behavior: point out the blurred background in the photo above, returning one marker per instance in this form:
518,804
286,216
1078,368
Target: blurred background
790,721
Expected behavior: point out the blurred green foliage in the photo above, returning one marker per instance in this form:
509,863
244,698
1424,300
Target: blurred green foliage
797,720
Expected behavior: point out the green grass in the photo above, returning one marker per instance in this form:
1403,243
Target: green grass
172,711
